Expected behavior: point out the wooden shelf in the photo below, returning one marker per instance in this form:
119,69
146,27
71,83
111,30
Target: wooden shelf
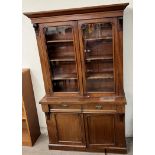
23,112
99,58
59,41
104,70
23,117
100,76
96,39
65,77
25,133
107,70
103,89
30,124
62,59
25,137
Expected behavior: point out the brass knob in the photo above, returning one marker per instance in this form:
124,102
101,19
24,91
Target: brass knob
98,106
64,105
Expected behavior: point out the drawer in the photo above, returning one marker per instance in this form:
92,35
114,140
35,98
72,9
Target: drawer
65,107
99,107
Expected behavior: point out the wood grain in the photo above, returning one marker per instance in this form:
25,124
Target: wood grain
31,129
101,8
91,117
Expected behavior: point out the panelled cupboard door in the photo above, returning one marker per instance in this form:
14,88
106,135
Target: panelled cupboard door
60,45
97,54
100,130
66,128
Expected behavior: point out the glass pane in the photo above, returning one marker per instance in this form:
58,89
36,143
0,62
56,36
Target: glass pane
98,54
59,33
59,40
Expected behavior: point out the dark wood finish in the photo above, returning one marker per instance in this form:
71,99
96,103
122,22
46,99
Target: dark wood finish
30,124
99,108
76,17
118,100
83,10
62,133
48,76
100,134
81,53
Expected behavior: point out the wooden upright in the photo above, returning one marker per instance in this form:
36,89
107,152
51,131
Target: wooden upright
30,124
81,54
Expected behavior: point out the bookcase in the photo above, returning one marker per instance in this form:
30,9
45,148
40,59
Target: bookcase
81,54
30,124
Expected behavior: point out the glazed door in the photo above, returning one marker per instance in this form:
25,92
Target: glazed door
66,129
97,55
100,130
61,50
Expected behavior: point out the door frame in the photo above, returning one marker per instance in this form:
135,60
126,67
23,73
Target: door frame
99,146
45,61
55,133
95,20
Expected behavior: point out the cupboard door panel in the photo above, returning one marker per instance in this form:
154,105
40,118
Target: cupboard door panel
97,53
71,132
100,129
69,128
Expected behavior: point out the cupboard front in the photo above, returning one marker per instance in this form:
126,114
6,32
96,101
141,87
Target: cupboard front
79,56
66,129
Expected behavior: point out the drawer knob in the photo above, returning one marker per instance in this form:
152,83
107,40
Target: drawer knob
64,105
98,106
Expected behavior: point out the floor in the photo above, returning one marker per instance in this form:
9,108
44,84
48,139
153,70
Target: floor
41,148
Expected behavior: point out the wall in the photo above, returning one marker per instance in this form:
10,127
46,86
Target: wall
30,56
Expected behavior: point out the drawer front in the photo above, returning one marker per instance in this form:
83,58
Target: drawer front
99,107
65,107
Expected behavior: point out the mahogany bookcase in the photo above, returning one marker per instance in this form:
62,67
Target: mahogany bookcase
81,54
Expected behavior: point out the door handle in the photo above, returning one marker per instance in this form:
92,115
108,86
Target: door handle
98,106
64,105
